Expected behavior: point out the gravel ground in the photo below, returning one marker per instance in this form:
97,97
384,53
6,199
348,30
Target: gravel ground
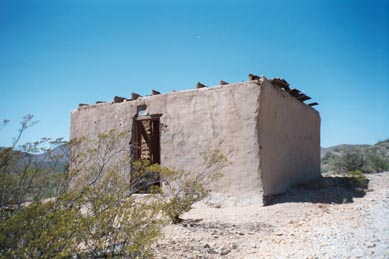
323,220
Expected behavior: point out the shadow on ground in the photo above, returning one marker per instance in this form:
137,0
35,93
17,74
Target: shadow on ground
331,190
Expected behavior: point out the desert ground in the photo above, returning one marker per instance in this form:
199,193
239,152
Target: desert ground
323,220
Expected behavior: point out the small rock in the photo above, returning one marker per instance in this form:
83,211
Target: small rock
224,251
234,246
206,246
212,251
241,234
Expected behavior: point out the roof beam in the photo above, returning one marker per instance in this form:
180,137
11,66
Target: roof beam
135,96
253,77
303,98
155,92
281,83
223,82
200,85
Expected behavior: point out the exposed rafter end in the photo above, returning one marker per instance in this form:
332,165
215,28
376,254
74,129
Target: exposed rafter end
294,92
223,82
155,92
118,99
253,77
303,98
200,85
281,83
135,96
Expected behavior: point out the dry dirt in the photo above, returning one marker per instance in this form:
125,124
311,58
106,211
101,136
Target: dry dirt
323,220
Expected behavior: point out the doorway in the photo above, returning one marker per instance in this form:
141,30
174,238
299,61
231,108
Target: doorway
147,142
147,148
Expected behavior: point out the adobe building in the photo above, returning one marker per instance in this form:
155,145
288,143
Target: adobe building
264,128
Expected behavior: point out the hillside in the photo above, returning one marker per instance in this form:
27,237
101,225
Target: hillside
381,147
367,158
342,147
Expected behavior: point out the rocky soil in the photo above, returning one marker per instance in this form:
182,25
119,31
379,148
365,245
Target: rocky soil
323,220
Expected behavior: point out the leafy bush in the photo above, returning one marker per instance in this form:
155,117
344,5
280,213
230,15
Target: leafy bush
186,188
375,163
357,181
350,161
95,210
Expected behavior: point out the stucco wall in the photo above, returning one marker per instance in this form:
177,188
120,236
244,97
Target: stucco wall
223,117
271,139
89,121
289,138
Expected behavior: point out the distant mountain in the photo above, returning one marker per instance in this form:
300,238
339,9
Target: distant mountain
56,158
381,147
40,175
60,152
325,150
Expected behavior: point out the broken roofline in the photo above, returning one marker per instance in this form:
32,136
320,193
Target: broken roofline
277,82
270,136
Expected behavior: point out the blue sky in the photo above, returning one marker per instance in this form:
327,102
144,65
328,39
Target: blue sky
57,54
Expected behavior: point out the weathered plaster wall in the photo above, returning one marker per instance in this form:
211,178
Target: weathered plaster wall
89,121
289,138
193,121
218,118
271,139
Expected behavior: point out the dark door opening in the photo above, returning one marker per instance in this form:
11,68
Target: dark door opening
147,140
147,147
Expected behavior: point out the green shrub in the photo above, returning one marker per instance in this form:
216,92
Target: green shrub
350,161
94,211
182,189
376,163
356,181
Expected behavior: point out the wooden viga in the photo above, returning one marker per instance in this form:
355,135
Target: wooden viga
284,85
